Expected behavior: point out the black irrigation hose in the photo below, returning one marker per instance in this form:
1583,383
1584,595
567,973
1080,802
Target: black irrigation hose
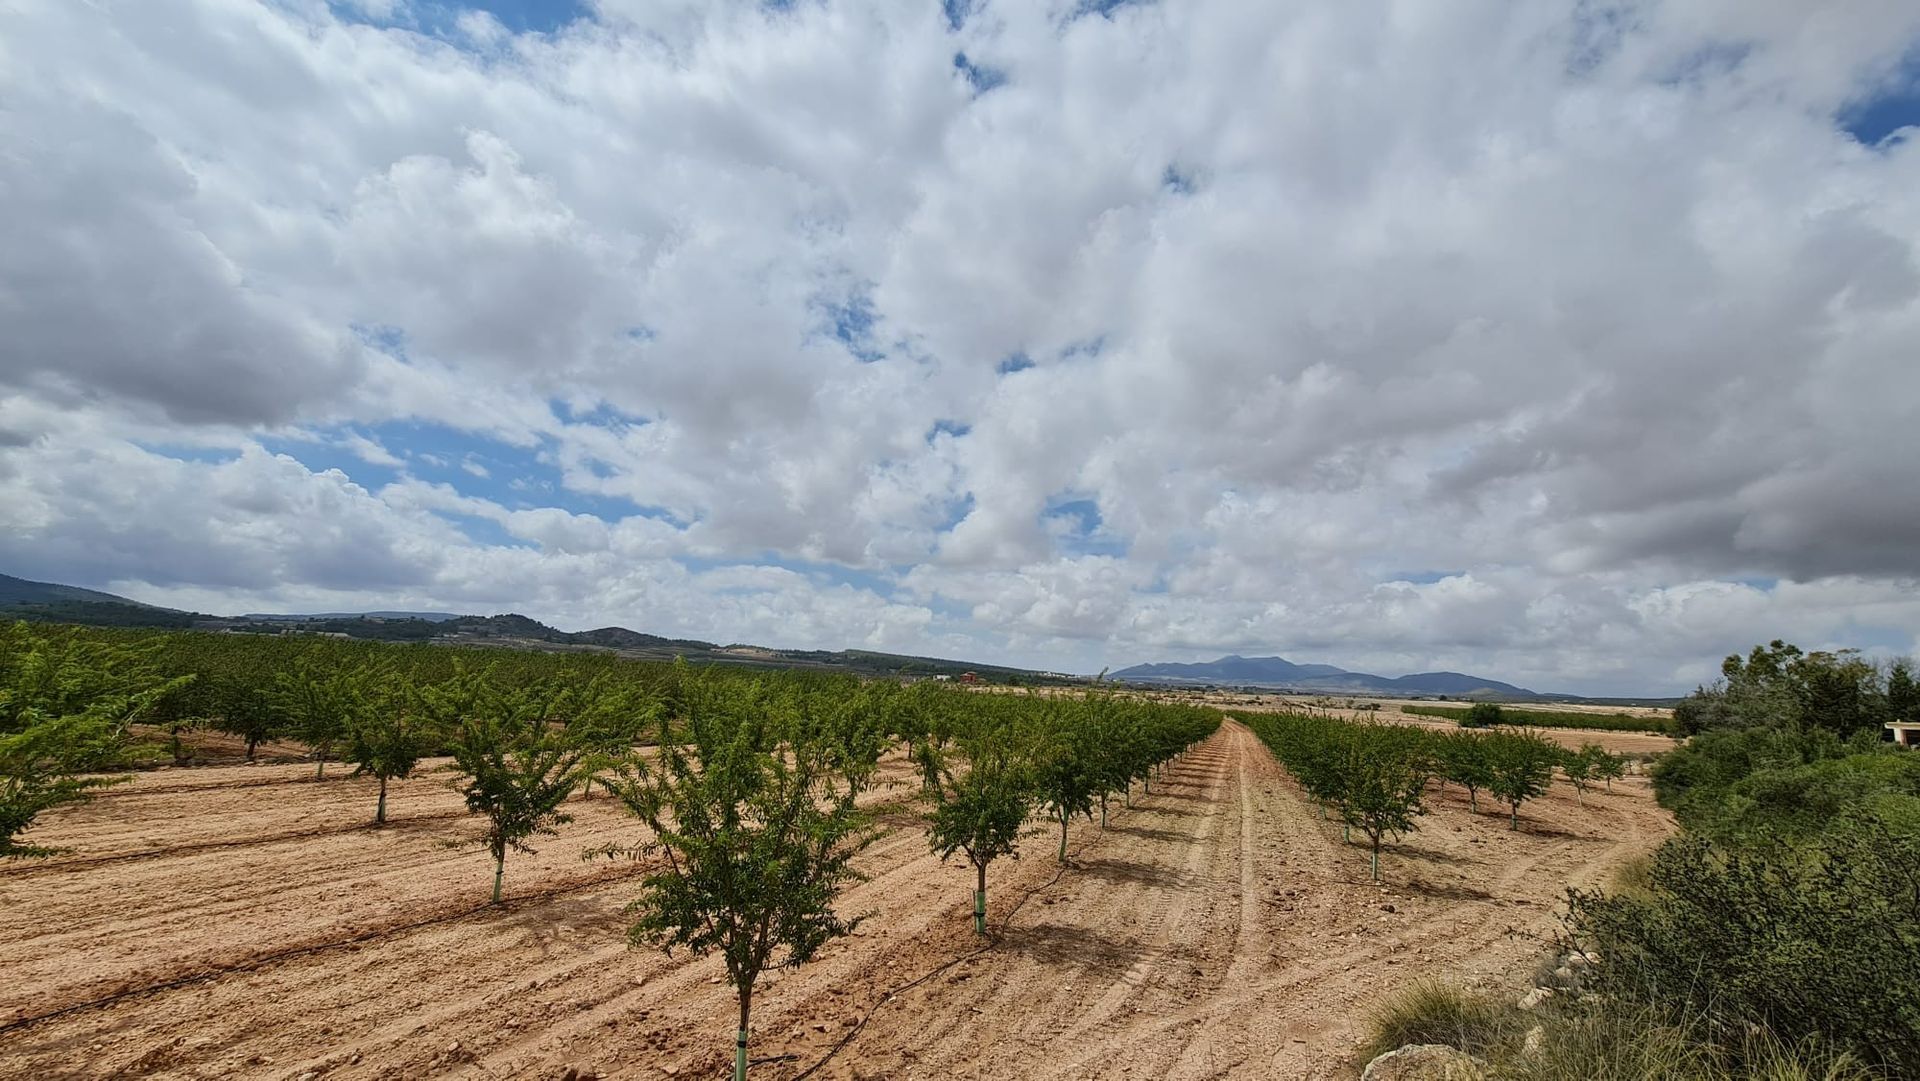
56,866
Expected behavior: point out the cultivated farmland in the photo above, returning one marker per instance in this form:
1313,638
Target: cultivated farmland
246,920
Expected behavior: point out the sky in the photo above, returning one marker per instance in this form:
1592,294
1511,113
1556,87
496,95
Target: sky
1570,344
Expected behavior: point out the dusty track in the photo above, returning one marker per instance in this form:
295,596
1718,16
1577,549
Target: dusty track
1218,928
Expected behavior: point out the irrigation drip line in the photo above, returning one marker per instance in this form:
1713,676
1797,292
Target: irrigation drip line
210,846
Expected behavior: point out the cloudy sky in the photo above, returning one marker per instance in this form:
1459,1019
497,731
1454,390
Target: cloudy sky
1574,344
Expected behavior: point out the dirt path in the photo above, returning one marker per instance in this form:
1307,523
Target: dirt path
1217,928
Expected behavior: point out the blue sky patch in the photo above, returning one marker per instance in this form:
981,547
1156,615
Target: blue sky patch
978,76
483,531
1893,106
1422,578
198,455
1078,525
956,512
515,477
850,322
949,427
601,415
438,18
319,457
1177,182
1017,362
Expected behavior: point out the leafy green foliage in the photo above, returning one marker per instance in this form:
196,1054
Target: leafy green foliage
983,792
1385,777
65,702
315,700
1462,758
1820,941
1788,906
1520,767
1780,686
1542,718
751,802
1375,775
1483,715
518,773
387,733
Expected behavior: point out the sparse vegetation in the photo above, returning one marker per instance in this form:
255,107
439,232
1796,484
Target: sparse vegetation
1487,714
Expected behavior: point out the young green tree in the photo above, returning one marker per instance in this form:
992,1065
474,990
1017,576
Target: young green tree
1520,766
1383,780
1578,768
1065,774
979,811
314,699
1609,768
517,775
758,829
1463,760
244,704
387,733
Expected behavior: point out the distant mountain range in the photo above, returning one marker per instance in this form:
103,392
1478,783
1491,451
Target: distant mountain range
23,599
430,617
1278,673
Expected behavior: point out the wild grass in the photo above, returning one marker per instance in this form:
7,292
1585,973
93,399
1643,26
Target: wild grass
1595,1043
1429,1011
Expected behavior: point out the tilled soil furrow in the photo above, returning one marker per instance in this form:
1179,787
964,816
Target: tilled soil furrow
1218,928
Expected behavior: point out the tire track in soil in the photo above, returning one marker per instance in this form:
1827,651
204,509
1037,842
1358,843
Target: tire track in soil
1217,929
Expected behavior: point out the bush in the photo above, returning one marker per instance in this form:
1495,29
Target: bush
1482,715
1808,942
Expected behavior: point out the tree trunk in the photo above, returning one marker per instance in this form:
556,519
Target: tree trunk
1103,810
1376,859
1515,823
252,742
499,870
1063,835
1473,799
319,767
980,900
740,1038
380,813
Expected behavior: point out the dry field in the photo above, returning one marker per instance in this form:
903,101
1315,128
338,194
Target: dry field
247,922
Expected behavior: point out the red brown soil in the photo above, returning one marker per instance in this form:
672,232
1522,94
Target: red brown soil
246,922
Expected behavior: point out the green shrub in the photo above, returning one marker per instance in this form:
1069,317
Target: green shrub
1810,942
1482,715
